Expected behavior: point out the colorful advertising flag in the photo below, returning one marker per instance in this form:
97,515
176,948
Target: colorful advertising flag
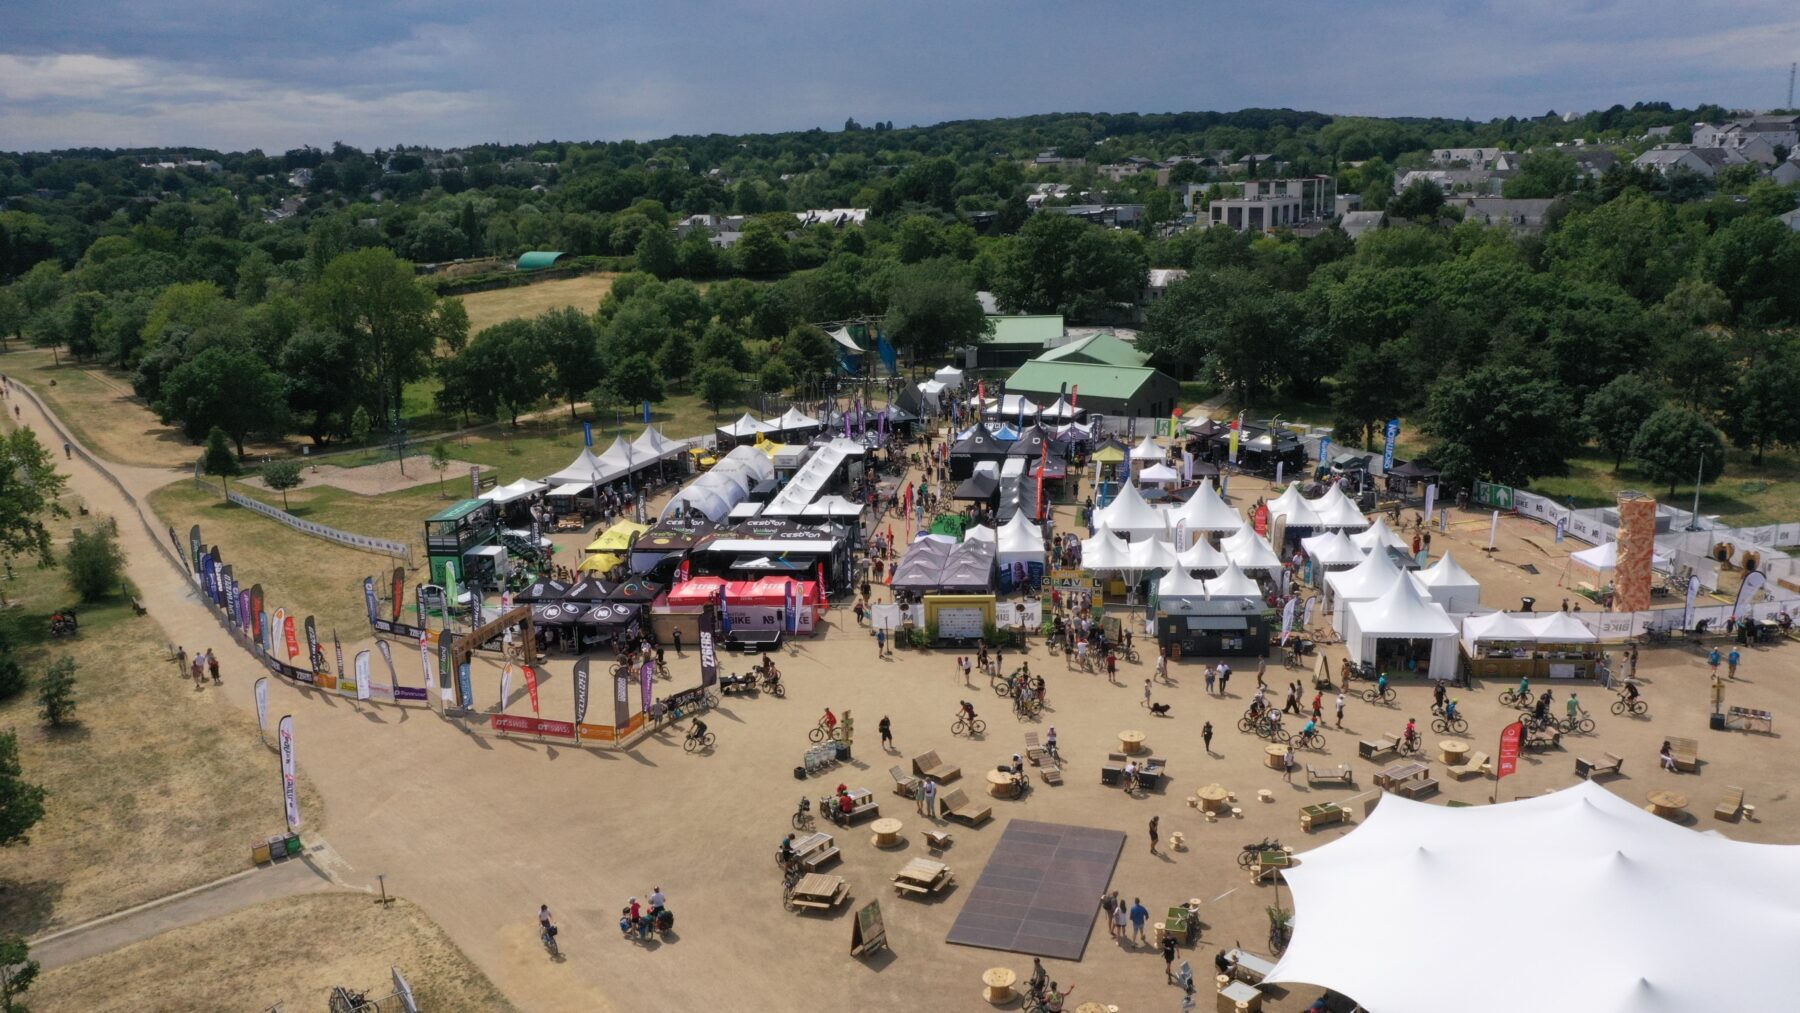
369,598
531,686
293,638
1693,592
425,658
362,675
1074,395
725,608
709,657
290,780
451,591
1237,425
259,620
1387,447
646,675
194,546
1509,750
1287,621
400,592
790,620
505,686
824,589
465,679
621,698
387,655
262,704
581,690
228,589
315,658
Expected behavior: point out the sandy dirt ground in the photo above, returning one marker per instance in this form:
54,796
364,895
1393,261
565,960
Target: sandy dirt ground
479,829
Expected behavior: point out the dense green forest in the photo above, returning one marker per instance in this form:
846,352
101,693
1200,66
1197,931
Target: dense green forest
269,295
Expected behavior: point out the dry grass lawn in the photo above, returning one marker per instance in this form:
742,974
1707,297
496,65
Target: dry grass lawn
99,406
489,308
289,952
156,788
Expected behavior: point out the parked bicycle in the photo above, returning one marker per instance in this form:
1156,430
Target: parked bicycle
1247,854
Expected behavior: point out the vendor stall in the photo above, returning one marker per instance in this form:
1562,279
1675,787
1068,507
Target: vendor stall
1336,511
1130,516
1402,633
1368,580
1451,586
1019,553
1204,513
609,551
1250,551
743,431
1548,645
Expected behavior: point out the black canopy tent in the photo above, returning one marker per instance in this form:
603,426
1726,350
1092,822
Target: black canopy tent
980,488
979,445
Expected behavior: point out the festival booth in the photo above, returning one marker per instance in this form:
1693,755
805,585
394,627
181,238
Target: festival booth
1019,551
514,499
1604,559
1368,580
540,590
979,445
835,463
1451,586
652,448
795,425
723,486
1018,495
1105,552
1204,513
1330,552
950,377
1336,511
610,551
1402,633
758,610
1292,516
1130,516
1202,558
575,627
584,477
1010,406
1060,410
1249,551
764,545
1146,454
981,487
1234,583
1193,618
1159,474
1402,479
1635,885
920,565
1382,536
666,543
1546,645
744,431
937,563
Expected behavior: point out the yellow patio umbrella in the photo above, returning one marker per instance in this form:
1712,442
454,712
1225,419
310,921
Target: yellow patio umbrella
600,562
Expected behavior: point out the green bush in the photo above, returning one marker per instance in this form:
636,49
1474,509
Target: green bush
56,694
95,562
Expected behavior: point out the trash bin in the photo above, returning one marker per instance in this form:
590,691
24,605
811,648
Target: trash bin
292,844
277,847
1525,604
1716,722
259,852
843,752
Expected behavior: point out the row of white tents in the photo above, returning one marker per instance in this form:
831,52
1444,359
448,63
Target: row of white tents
791,421
615,462
1205,512
1332,510
1243,550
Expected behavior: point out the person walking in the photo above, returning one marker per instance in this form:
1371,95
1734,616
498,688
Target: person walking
1731,660
1109,904
678,643
1118,920
887,733
1224,677
1340,710
1168,950
1206,736
199,669
930,798
1154,834
1287,765
1713,660
1112,666
212,666
1211,676
1147,687
181,664
880,641
1139,916
1318,707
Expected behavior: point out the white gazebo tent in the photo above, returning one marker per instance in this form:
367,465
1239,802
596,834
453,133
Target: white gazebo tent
1604,559
1402,614
1498,627
1332,551
1176,586
653,446
1336,511
1202,556
1105,551
1249,550
1204,512
1233,583
795,421
1147,554
746,427
1558,628
1295,508
502,495
1147,450
1449,585
1129,515
1019,541
1058,409
1633,887
1158,474
590,469
1379,534
950,377
1366,581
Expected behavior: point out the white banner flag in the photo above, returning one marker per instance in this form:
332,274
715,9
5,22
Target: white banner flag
290,783
362,675
1494,530
1693,592
1430,501
262,705
505,686
1287,618
1187,466
425,658
1279,465
1310,603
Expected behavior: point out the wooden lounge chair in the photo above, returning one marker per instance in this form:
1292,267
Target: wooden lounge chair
1033,751
1474,766
903,785
1051,773
928,765
1341,773
1375,749
1686,753
1731,806
1589,769
1417,787
956,806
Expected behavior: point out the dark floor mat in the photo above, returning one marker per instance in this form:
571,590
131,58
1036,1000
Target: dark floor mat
1040,890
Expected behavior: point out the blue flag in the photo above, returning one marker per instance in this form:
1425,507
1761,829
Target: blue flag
1387,450
587,433
646,411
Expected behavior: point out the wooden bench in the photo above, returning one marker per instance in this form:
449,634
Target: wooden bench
862,810
1686,753
1033,751
1589,770
1542,740
1375,749
137,606
1340,773
904,786
1417,787
1748,719
928,765
1399,772
956,806
1474,766
1730,806
813,859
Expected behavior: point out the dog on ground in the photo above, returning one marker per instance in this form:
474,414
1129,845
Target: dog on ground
1161,710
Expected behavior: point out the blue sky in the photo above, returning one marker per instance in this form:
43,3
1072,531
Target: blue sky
235,74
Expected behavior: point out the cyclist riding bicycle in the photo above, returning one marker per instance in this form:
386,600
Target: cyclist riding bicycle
1311,729
1411,736
1631,692
698,731
1381,685
1524,687
968,711
1450,710
830,720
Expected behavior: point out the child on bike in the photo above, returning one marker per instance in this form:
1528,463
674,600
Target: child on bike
1450,711
1411,736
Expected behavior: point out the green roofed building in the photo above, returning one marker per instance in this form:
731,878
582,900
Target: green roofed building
1110,390
537,260
1099,349
1016,339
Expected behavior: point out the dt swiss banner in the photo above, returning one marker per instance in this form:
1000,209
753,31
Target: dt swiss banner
1509,750
369,599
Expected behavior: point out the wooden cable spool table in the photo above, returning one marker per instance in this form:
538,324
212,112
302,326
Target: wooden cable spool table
1668,804
1131,741
1275,756
998,982
1000,783
887,832
1212,797
1453,751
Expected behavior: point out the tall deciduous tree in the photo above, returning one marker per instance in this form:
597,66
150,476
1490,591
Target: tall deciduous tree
1059,264
1765,405
1502,423
29,487
318,373
1231,323
1675,444
1616,412
635,379
21,802
224,389
932,307
372,296
719,385
506,369
568,340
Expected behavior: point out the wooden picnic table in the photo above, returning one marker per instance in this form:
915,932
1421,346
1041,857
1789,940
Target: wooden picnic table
1212,797
887,832
1667,803
810,843
1401,772
1131,741
922,875
1453,751
816,890
1275,756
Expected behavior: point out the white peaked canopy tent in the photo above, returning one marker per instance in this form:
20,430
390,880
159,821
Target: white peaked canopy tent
1603,559
1158,474
590,468
653,446
832,506
1233,583
747,425
1366,581
514,491
1204,511
1147,450
1379,534
1295,507
1177,585
1449,585
1202,556
1129,515
1148,554
1058,409
950,377
1104,551
1019,541
1249,550
1559,628
1497,627
795,421
1634,888
1332,551
1402,614
1336,511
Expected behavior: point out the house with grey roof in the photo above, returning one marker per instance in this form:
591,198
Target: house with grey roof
1355,223
1777,131
1665,159
1791,219
1520,215
1787,173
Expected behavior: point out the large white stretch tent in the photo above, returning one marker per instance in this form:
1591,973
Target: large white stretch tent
1637,893
1402,614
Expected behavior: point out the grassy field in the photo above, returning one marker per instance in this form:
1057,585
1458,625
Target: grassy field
315,941
1745,496
155,789
98,406
489,308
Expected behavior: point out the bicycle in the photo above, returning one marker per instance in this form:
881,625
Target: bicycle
1314,739
1407,746
968,726
548,935
1292,660
1450,725
1514,698
1636,708
1247,854
1571,725
1384,694
822,731
803,817
693,743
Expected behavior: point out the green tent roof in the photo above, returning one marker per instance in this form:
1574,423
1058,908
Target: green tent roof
537,259
1117,382
1026,330
1102,348
458,510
